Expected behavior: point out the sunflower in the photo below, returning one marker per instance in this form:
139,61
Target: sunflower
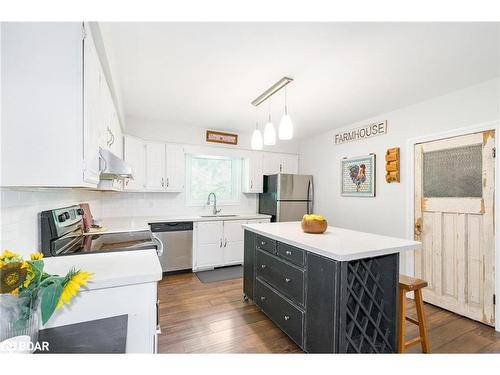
36,256
8,255
72,286
12,275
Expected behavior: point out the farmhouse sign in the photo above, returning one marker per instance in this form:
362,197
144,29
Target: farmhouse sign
363,132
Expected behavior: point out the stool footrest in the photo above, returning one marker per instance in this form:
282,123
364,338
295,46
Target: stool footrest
414,341
411,320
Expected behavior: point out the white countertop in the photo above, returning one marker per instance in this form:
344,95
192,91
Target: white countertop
336,243
140,223
110,269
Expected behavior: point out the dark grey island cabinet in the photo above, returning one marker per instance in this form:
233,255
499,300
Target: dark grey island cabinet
324,305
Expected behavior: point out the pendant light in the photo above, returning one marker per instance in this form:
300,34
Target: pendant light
269,132
286,125
256,141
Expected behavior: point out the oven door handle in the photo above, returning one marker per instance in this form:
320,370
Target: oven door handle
158,243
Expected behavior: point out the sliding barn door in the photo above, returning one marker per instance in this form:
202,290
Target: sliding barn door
454,203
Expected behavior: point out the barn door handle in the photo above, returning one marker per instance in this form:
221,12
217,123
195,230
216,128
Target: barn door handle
418,227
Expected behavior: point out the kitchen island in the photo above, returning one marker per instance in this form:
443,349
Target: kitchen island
334,292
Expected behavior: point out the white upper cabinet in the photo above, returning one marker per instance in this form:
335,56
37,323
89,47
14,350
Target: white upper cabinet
92,115
252,173
175,168
289,163
155,166
53,107
134,153
274,163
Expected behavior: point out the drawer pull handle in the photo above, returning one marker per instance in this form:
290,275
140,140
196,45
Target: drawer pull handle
262,298
263,266
287,279
288,252
287,317
262,243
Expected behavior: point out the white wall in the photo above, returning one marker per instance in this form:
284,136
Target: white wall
387,212
161,131
19,223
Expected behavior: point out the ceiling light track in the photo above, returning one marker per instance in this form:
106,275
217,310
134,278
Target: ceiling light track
272,90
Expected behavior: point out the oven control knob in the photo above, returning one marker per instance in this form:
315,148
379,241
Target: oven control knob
79,211
61,218
66,215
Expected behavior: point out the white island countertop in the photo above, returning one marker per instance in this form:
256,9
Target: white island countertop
336,243
111,269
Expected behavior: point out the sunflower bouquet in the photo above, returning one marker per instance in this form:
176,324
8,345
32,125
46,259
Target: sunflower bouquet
26,284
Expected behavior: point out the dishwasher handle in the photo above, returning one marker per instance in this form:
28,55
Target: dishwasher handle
171,226
159,244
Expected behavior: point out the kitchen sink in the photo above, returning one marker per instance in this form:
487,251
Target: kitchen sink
219,215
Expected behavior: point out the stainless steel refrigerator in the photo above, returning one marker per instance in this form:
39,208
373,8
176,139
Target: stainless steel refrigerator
287,197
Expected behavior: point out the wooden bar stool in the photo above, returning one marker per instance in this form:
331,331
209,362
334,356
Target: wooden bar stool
412,284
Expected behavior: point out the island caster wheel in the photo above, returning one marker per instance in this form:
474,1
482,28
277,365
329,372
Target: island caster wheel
245,298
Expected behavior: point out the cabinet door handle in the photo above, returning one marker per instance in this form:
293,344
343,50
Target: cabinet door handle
286,317
168,183
287,280
220,243
225,242
251,184
162,182
288,252
263,266
262,243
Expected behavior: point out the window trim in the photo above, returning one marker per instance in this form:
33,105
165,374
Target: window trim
236,164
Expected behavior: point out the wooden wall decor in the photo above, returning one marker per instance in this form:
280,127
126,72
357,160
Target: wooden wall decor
392,165
221,137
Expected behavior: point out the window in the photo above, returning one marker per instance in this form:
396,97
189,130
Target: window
218,174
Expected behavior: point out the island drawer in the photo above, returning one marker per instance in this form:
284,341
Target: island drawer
286,278
287,316
264,243
291,253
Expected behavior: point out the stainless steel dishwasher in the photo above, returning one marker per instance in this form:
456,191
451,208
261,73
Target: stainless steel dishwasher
177,240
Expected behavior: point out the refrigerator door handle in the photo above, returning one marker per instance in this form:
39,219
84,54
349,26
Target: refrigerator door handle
310,197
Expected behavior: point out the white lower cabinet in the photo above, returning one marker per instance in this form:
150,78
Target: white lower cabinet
219,243
137,301
207,245
233,242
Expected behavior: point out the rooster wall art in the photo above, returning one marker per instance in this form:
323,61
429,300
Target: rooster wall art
358,176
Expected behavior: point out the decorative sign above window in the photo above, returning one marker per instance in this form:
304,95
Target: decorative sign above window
221,137
363,132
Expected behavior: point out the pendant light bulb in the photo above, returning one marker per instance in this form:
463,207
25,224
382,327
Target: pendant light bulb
285,130
269,134
256,141
286,127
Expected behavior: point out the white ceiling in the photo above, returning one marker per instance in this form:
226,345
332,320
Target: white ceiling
206,74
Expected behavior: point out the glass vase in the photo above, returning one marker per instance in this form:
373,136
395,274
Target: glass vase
20,322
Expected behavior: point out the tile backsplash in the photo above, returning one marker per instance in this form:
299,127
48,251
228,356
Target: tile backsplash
19,210
168,204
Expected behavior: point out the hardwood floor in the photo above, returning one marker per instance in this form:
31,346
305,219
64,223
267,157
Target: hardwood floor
213,318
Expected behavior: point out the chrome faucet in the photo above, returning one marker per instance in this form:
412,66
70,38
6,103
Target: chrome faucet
215,210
